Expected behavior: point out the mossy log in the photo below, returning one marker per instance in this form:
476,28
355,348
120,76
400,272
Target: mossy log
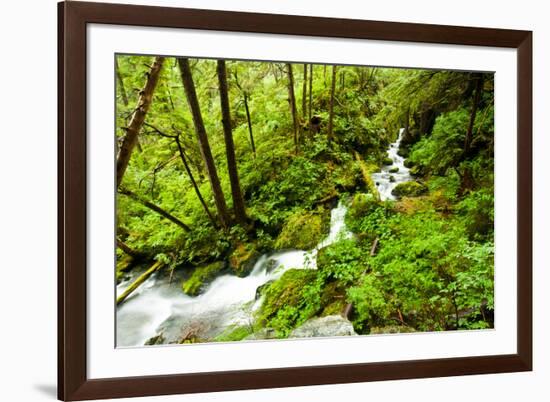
142,278
366,176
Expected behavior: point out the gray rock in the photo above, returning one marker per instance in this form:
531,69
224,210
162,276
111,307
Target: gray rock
264,333
331,325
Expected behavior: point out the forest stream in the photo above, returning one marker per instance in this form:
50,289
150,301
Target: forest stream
159,307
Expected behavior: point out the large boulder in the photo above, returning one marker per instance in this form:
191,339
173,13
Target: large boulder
331,325
409,189
303,231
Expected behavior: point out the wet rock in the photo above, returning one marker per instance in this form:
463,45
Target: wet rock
387,161
332,325
155,340
392,179
243,258
394,170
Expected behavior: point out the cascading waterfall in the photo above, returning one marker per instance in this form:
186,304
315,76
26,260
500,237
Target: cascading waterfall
386,180
160,307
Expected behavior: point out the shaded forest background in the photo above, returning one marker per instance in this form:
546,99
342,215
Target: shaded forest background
221,161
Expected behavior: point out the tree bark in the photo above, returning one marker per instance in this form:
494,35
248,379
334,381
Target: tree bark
330,134
142,278
304,95
236,194
127,249
121,83
132,132
310,95
292,101
155,208
249,124
477,97
202,138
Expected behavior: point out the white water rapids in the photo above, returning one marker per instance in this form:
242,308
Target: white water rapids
160,307
383,180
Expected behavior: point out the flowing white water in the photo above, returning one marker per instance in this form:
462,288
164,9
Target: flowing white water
383,180
160,307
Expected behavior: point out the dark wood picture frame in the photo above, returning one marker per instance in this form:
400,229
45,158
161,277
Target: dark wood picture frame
73,383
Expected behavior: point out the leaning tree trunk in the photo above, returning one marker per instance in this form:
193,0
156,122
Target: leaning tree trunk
155,208
202,138
132,132
304,95
477,97
330,134
249,124
236,194
292,101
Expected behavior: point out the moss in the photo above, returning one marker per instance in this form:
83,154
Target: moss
333,299
201,277
409,189
234,333
416,171
123,265
284,303
243,258
391,329
303,231
394,170
392,179
347,177
361,205
387,161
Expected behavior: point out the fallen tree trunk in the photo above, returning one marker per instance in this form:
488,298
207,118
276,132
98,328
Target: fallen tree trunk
127,249
349,306
155,208
142,278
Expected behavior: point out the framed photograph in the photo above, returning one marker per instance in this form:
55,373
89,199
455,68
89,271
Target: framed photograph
253,200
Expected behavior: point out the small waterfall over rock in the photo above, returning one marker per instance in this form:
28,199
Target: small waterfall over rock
392,175
161,308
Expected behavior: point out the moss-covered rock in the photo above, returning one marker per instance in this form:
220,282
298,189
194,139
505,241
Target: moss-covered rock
234,333
409,189
394,170
283,306
201,277
392,179
387,161
243,258
303,231
361,205
416,171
